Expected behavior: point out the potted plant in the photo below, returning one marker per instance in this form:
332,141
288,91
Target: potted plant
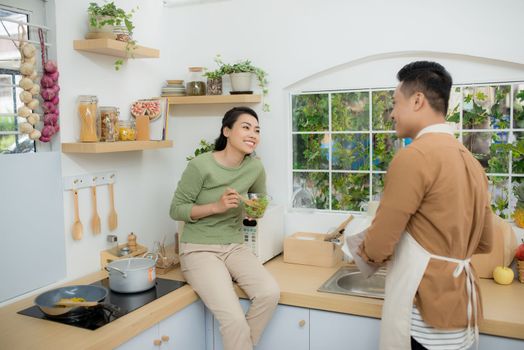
104,18
214,82
241,74
203,147
112,22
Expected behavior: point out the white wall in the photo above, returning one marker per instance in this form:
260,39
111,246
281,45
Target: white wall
292,40
311,45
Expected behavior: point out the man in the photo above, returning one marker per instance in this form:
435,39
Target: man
433,215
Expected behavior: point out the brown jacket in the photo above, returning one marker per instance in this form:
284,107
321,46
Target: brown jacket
437,191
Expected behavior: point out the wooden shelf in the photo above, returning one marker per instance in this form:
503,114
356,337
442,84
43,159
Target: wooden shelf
196,100
114,48
108,147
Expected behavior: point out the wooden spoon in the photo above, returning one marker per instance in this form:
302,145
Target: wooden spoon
113,218
77,229
95,220
68,302
251,202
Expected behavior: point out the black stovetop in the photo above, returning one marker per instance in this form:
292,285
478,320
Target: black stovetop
115,305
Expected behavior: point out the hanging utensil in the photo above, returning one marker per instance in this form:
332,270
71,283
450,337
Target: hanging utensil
95,220
77,229
113,217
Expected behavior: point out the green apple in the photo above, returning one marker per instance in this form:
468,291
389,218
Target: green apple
503,275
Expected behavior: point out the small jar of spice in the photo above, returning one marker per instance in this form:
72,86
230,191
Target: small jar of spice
196,85
126,130
108,123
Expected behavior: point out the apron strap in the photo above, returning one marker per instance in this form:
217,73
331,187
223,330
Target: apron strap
464,265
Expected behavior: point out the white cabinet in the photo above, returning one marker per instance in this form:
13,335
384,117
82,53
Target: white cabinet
288,329
185,329
490,342
295,328
334,331
182,331
143,341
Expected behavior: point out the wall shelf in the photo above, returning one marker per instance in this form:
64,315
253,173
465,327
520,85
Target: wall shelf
109,147
114,48
210,99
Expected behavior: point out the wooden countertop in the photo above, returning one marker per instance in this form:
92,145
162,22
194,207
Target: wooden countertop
503,310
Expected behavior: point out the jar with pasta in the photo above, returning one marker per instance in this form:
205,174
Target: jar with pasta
108,123
87,112
126,130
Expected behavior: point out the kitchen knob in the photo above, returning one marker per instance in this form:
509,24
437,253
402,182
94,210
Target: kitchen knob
157,342
165,338
302,323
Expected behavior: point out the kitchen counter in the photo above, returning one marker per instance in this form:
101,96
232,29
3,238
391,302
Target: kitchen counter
503,310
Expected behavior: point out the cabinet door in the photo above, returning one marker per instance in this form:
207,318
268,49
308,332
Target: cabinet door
185,329
334,331
285,330
490,342
143,341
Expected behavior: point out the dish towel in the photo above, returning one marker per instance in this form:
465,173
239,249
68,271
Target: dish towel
353,242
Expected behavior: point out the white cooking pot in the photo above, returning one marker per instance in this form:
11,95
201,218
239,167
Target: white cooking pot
132,275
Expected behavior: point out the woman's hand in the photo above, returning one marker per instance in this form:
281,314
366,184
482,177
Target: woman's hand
230,199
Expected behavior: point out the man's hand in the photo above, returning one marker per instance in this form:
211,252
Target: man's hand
230,199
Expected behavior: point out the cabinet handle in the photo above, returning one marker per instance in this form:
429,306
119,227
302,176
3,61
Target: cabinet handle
157,342
165,338
302,323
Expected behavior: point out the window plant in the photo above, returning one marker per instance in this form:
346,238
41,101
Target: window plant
238,70
108,17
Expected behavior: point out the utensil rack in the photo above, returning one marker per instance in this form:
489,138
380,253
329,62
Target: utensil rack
88,180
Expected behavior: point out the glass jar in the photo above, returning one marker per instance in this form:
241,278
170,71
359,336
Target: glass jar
108,123
126,130
89,123
196,85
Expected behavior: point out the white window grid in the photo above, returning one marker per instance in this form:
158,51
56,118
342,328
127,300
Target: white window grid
460,131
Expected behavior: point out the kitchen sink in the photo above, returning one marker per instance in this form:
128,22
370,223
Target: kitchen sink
348,280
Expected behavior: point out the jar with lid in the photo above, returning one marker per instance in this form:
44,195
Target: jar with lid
126,130
196,85
89,123
108,123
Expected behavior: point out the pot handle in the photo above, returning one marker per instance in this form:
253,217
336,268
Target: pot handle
152,256
109,268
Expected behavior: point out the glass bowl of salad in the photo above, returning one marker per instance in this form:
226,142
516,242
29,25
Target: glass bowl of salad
256,204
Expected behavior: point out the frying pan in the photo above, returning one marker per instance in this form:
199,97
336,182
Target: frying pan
46,301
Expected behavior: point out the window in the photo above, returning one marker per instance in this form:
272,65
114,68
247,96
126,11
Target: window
11,141
343,141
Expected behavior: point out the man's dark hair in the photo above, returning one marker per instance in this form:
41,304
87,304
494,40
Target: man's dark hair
430,78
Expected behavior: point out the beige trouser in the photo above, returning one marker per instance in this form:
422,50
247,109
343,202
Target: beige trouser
210,269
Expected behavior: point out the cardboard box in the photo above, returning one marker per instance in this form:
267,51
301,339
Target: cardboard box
309,248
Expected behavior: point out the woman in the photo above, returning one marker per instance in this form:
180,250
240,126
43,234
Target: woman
212,253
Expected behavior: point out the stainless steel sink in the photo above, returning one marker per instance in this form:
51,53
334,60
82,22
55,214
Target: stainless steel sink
348,280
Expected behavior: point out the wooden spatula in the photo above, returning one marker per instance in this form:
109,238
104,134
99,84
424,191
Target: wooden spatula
113,218
95,220
77,229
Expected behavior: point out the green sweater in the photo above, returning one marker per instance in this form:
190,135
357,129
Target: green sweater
204,181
